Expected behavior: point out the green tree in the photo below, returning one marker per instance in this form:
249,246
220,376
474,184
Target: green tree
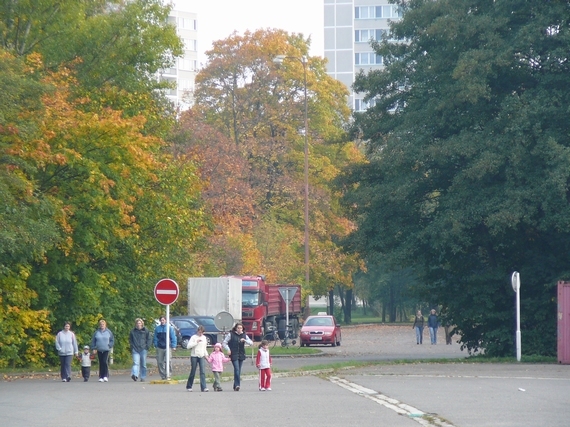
469,163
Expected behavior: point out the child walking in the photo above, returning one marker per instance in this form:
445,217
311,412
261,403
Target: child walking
263,362
85,359
217,359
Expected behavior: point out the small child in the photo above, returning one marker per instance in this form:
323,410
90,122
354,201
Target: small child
86,357
263,362
217,360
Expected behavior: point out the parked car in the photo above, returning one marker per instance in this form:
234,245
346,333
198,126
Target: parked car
185,328
320,329
210,330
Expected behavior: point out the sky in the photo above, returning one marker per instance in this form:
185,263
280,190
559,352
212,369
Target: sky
217,19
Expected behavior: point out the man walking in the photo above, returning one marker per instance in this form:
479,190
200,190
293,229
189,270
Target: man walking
159,342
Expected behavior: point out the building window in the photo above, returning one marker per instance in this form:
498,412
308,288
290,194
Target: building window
362,105
185,85
364,36
377,12
188,64
367,58
190,44
188,24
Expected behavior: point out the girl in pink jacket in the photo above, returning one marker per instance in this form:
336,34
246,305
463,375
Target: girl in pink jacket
217,359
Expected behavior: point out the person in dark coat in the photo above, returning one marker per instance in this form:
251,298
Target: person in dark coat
432,325
139,340
419,327
234,344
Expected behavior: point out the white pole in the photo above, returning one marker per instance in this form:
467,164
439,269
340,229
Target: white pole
518,320
168,342
516,283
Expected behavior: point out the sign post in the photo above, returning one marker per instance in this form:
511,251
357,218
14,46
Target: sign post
516,283
287,293
166,292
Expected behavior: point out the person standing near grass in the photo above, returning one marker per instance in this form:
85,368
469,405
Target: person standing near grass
160,345
234,344
263,362
102,343
419,327
199,345
432,325
139,340
217,359
66,346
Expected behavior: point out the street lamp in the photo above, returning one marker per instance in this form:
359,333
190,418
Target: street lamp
303,60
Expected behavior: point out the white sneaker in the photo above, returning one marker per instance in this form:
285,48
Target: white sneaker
105,379
100,380
268,388
261,389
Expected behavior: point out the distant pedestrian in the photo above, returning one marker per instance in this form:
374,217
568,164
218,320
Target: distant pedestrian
102,342
199,345
419,327
263,362
140,341
160,345
85,359
234,344
217,359
432,325
66,346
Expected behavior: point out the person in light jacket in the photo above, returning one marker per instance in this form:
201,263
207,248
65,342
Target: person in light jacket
217,359
102,343
199,345
66,346
139,340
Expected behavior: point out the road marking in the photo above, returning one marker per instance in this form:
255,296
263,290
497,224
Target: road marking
423,418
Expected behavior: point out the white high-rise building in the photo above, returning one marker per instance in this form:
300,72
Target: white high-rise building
349,26
183,73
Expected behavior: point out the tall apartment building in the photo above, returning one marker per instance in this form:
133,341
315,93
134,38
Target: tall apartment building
349,26
183,73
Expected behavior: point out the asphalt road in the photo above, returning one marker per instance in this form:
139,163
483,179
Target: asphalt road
412,394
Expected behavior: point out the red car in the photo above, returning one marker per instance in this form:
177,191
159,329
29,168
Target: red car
321,329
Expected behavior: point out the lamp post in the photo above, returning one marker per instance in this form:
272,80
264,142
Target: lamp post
303,60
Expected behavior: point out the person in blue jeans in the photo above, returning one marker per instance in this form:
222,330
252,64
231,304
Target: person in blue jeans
139,340
432,325
234,344
199,345
419,327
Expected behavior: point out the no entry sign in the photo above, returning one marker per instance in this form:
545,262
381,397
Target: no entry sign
166,291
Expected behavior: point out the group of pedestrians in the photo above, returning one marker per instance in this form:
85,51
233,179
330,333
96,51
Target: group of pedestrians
432,323
102,344
234,344
140,340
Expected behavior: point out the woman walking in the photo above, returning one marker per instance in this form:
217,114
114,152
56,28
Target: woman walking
419,327
66,346
102,343
234,344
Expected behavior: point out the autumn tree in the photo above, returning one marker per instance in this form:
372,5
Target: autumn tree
102,208
468,173
258,107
